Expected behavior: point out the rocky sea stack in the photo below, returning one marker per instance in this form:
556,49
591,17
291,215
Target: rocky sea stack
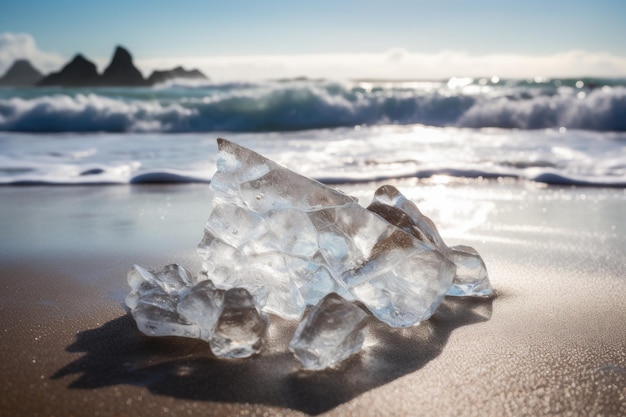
179,72
22,73
80,72
121,72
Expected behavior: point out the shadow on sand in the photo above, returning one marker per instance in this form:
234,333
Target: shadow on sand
116,353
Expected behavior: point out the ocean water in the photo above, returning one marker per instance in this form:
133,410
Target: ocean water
557,131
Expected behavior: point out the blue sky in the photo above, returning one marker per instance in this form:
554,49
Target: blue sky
156,31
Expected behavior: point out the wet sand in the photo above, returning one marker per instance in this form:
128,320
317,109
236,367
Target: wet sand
552,342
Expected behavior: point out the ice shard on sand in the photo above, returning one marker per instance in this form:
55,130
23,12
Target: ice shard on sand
306,240
171,302
471,277
331,332
276,241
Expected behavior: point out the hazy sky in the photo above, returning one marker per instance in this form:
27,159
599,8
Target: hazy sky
406,37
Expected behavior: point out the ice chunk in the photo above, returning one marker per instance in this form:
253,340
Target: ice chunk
171,302
471,278
309,239
153,301
202,305
398,210
332,331
240,329
276,241
159,288
154,321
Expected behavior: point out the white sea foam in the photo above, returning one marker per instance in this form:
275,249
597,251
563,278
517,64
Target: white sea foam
334,156
595,110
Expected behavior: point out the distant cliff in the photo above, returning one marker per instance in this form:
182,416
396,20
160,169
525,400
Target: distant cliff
121,72
178,72
80,72
22,73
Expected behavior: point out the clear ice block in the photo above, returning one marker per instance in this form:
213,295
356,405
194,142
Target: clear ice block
153,301
312,240
331,332
171,303
471,278
202,305
276,241
241,328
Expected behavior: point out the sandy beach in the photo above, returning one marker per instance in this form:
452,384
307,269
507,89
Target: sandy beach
553,342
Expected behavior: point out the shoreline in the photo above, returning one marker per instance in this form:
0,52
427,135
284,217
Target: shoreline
550,342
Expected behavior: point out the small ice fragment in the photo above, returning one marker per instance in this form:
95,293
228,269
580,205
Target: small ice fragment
393,206
154,321
471,273
168,303
202,305
241,328
330,333
153,301
471,278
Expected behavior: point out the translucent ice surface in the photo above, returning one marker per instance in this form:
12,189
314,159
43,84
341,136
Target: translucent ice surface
303,240
471,278
202,305
153,301
332,331
171,302
240,329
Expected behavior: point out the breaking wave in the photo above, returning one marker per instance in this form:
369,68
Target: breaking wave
303,105
170,176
